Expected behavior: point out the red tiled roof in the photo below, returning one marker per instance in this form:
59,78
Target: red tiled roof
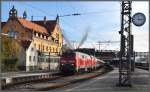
50,24
32,26
37,26
2,24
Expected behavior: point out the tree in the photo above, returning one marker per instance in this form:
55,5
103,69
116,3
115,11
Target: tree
9,50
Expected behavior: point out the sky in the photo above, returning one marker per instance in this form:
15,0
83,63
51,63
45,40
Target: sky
101,20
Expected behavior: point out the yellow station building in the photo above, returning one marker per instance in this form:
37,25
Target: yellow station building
45,35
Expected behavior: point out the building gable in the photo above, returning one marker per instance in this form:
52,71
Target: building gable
46,34
15,26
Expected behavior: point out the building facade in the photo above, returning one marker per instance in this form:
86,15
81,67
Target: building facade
31,58
45,35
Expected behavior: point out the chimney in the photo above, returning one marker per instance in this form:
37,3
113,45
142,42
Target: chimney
24,14
57,19
31,18
45,20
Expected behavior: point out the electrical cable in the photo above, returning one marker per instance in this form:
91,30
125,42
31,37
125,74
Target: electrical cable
39,10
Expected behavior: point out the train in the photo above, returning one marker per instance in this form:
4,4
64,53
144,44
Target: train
77,62
142,62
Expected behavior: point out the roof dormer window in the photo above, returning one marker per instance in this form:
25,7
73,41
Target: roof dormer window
44,37
41,36
37,35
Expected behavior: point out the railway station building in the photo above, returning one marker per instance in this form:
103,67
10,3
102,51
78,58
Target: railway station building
43,37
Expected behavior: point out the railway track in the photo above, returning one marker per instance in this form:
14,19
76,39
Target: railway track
141,67
54,82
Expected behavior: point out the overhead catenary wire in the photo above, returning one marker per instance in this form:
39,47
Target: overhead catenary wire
73,14
39,10
73,27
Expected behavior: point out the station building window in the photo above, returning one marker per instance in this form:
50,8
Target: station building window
12,34
46,48
44,37
35,45
30,58
43,48
31,49
39,46
34,58
53,49
49,49
41,36
48,38
56,49
37,35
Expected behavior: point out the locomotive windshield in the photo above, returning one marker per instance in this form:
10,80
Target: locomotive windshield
68,54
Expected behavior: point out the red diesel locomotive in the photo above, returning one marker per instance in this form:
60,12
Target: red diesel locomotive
76,62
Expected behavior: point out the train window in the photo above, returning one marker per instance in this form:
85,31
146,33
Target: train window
82,56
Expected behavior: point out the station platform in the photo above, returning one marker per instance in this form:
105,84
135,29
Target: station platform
24,74
18,77
107,82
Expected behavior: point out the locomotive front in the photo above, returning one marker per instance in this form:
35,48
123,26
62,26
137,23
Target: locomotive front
67,63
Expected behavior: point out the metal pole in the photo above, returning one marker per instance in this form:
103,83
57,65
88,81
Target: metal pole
120,53
125,46
99,43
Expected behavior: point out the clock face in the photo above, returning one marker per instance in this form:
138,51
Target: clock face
138,19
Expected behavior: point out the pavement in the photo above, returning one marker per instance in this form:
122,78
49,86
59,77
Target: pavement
56,83
107,82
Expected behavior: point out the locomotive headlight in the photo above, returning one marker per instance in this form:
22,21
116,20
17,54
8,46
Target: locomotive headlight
72,64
